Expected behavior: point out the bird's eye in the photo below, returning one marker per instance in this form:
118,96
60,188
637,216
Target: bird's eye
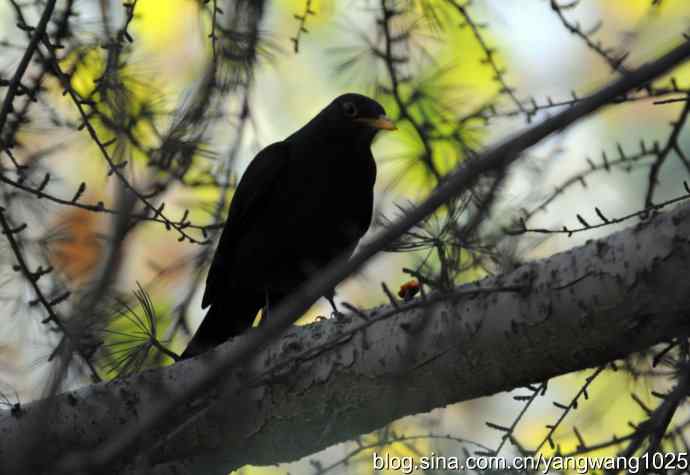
349,109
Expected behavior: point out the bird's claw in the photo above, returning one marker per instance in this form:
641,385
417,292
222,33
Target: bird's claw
337,315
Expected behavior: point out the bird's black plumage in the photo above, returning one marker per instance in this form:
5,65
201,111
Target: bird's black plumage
300,204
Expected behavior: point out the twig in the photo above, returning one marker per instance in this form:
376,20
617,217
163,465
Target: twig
37,36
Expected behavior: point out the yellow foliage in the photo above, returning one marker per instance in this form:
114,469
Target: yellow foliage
160,23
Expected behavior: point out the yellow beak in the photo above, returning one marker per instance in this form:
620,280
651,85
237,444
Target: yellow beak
381,122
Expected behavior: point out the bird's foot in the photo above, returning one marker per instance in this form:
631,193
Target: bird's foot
336,314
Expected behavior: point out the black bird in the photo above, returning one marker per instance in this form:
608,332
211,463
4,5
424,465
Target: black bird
301,203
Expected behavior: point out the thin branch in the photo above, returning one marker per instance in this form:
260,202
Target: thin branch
37,36
32,278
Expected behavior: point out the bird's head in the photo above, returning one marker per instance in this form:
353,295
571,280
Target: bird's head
357,116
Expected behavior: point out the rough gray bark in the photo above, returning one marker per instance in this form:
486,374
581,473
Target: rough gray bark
332,380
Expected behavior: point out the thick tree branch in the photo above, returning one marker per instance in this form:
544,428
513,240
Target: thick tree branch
329,381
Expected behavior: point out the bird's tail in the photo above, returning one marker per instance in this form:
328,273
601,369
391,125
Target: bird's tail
222,323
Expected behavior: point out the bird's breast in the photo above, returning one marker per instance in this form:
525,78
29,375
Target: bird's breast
320,208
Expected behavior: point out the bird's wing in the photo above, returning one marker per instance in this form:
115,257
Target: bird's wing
255,188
